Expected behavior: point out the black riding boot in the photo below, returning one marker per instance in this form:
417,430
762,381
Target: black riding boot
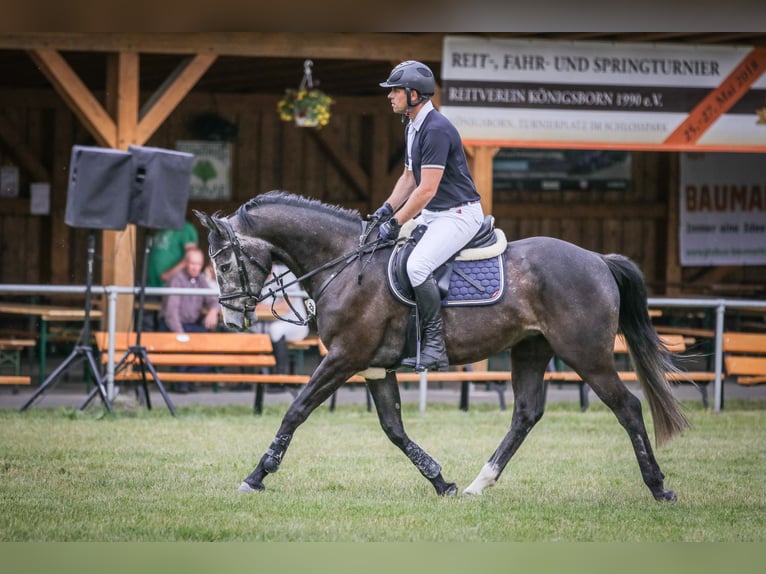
433,354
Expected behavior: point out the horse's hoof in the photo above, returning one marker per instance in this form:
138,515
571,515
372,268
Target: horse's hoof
472,491
451,490
248,488
666,495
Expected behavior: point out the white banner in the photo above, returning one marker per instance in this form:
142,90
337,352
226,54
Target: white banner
530,93
722,219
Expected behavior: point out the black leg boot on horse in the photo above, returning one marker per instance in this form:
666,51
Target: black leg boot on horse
433,353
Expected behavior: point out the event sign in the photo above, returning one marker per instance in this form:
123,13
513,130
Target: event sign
722,215
597,95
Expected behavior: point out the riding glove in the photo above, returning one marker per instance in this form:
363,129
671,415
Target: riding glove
389,230
384,212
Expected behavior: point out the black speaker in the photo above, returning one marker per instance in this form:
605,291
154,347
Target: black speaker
98,194
160,187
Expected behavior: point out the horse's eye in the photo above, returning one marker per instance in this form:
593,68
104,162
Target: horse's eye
225,268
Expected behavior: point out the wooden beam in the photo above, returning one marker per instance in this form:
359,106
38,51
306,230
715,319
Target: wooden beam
17,147
123,81
673,271
170,94
344,46
76,94
119,247
60,239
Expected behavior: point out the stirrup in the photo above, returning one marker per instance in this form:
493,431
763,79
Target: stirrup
435,364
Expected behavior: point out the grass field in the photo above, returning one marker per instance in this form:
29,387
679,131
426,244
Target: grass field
145,476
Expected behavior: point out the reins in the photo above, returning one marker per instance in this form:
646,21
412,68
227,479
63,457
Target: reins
252,299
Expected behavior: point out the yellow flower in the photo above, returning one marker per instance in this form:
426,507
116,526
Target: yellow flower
310,107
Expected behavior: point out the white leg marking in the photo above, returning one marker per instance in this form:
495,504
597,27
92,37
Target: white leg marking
487,477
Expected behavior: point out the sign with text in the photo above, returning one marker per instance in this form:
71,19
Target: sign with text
722,215
531,93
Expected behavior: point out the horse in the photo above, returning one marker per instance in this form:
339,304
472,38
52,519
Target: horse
560,300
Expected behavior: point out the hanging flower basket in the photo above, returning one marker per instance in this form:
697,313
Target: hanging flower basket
307,106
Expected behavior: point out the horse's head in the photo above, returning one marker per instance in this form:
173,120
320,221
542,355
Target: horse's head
241,267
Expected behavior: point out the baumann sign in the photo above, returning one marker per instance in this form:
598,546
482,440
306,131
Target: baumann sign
519,93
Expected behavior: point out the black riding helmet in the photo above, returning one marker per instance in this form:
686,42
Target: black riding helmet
412,75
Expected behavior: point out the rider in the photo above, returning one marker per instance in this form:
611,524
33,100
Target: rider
436,188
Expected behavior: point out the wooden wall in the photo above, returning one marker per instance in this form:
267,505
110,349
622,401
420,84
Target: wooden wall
353,162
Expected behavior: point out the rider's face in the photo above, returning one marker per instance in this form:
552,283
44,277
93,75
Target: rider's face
398,99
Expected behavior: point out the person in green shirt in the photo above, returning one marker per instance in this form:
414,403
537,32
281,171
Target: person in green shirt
167,253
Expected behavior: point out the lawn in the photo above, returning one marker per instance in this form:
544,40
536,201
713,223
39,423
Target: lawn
145,476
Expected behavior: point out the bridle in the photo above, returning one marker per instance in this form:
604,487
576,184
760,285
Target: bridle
252,299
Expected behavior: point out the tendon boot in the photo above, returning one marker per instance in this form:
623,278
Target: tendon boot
433,354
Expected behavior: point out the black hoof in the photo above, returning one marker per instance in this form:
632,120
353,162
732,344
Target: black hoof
666,495
449,490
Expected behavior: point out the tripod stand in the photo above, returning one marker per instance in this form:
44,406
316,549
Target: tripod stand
84,349
136,355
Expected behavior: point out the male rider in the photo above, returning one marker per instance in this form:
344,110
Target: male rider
437,190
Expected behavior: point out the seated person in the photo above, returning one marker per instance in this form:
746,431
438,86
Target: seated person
190,313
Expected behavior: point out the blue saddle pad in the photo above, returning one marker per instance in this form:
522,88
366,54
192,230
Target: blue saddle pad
480,282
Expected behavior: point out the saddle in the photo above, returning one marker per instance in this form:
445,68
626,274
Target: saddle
473,276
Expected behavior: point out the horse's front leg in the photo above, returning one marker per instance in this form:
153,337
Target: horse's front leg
385,393
323,383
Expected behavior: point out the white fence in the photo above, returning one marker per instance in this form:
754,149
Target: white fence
721,306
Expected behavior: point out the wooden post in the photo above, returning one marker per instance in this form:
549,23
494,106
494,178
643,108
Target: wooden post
118,248
673,273
480,163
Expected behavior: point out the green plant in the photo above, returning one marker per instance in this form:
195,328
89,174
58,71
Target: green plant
307,108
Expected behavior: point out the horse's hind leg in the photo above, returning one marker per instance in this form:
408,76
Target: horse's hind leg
627,408
529,360
385,393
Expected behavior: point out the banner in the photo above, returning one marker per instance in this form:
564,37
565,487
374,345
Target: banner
668,97
722,215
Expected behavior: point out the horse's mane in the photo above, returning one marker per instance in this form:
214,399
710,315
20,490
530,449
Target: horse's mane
283,198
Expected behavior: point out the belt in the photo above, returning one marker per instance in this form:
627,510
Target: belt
465,203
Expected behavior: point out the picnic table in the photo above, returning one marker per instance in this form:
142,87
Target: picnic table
47,314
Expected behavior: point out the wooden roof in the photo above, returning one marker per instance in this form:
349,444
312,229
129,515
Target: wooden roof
345,64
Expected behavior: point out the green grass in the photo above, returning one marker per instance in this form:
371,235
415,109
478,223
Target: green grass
145,476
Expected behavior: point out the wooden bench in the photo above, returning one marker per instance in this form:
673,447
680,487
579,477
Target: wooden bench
499,379
227,353
745,357
10,353
675,343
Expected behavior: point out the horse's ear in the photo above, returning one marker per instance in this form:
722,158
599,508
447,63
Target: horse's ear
207,221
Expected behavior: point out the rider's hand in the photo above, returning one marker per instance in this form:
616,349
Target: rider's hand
389,230
384,212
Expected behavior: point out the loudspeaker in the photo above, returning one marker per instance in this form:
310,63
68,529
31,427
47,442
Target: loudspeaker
98,192
160,187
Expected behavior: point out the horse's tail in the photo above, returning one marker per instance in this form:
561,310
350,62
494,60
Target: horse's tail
651,358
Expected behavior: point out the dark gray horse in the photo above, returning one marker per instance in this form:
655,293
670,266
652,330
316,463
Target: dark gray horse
560,300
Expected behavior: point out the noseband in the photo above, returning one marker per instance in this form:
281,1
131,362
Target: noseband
250,299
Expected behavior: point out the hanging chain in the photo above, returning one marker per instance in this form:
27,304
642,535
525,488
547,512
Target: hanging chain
307,82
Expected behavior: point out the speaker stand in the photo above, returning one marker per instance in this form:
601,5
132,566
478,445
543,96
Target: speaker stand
84,349
136,355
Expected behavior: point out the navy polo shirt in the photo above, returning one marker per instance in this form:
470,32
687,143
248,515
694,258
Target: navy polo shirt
436,143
